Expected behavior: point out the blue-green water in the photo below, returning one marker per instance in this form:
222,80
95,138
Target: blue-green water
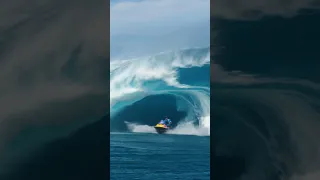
153,156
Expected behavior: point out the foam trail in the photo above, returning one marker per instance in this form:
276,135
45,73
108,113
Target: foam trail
185,128
133,127
188,128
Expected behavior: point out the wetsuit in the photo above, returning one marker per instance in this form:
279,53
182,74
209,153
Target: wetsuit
167,122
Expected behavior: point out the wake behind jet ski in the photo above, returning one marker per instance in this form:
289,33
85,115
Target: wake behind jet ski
163,126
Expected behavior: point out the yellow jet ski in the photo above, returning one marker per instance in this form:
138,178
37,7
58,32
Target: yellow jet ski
161,128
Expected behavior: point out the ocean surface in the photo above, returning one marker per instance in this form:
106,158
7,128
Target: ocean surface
155,156
143,91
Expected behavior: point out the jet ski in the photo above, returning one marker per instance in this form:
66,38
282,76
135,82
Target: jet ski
161,128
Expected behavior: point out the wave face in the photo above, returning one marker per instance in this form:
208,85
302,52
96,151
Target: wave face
174,84
272,126
266,99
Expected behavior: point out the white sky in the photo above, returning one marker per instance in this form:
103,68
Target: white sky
141,27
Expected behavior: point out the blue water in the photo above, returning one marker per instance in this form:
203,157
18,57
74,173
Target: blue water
153,156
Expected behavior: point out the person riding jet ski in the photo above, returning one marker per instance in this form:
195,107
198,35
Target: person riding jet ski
166,121
163,125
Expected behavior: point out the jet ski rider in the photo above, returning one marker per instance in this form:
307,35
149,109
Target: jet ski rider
167,121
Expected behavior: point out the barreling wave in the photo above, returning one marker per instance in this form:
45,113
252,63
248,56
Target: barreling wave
266,127
174,84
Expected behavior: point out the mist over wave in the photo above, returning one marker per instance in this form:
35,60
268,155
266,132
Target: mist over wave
174,84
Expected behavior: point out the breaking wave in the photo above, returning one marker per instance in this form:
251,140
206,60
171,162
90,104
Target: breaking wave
174,84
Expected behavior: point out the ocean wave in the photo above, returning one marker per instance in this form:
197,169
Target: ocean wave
272,124
175,84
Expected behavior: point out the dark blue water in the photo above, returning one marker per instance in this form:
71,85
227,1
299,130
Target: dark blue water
157,157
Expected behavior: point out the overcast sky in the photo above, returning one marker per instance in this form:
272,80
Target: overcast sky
143,27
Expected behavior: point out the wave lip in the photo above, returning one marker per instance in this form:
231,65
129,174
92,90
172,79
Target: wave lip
133,80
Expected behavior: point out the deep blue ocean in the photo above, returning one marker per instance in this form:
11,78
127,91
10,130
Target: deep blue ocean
154,156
